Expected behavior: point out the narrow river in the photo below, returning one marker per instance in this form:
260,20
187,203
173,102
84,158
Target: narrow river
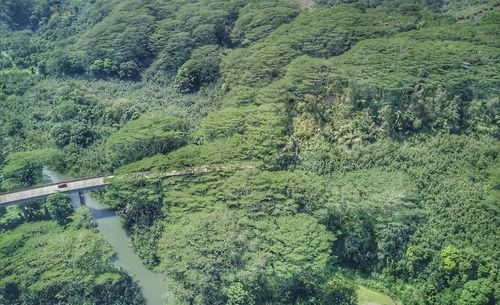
110,225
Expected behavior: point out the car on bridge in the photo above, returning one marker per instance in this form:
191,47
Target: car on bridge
62,185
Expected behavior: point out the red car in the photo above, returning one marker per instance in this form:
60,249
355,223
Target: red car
62,185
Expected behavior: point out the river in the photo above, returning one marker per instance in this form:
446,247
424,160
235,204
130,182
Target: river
110,225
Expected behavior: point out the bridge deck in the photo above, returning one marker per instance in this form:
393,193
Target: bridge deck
44,191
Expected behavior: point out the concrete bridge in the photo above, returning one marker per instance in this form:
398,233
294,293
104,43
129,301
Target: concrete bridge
35,193
86,184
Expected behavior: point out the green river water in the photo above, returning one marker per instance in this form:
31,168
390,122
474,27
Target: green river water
110,225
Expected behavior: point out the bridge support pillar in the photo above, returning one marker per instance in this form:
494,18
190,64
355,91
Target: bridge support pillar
82,197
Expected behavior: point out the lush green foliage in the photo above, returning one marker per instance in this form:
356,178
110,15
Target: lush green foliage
320,33
163,32
200,70
44,264
362,137
80,115
148,135
259,18
59,207
24,169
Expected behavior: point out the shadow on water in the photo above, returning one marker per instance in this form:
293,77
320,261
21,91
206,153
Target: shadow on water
99,213
110,225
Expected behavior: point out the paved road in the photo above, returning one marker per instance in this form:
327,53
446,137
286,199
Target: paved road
44,191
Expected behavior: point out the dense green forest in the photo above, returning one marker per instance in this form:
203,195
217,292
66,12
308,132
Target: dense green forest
52,255
354,148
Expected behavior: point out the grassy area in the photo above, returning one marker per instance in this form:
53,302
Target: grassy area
370,297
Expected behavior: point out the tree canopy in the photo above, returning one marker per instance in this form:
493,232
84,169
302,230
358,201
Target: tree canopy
343,147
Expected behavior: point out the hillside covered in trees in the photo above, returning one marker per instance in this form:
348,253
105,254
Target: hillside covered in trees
355,145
